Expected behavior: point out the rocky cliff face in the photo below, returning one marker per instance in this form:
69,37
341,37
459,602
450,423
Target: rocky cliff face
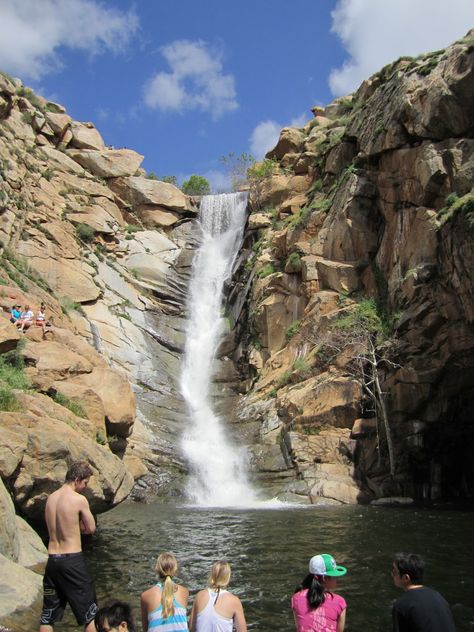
108,251
365,213
372,199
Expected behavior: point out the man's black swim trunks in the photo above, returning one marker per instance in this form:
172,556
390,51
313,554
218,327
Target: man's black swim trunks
66,580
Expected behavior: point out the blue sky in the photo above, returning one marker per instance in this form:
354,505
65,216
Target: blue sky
185,82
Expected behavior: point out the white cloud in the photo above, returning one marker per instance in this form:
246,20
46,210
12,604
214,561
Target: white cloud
220,182
165,92
195,81
32,32
265,135
300,120
376,32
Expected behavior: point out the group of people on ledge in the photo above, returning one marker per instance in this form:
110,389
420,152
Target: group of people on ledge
316,606
24,318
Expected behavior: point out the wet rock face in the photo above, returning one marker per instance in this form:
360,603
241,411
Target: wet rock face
388,214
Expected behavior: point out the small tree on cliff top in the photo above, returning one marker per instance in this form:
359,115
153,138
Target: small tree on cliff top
257,174
246,173
196,185
363,334
170,180
237,167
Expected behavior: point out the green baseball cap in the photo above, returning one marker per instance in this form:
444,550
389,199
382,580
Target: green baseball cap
325,564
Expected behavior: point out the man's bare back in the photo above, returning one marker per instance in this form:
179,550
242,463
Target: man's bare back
66,578
67,516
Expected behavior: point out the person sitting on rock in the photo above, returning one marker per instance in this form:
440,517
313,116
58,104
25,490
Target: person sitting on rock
164,604
15,313
26,319
40,318
215,608
315,604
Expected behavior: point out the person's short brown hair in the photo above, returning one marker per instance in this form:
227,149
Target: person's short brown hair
410,564
79,470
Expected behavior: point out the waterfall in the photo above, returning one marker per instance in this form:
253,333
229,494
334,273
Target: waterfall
218,468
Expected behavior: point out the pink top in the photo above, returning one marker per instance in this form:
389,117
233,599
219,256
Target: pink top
322,619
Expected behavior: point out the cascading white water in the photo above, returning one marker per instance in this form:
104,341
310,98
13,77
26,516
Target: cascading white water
218,468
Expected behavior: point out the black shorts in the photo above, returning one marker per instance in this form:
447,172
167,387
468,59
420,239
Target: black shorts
66,580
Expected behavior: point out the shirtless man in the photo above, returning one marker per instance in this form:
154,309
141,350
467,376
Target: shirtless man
66,579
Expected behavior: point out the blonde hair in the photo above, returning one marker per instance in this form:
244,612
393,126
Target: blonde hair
167,567
220,575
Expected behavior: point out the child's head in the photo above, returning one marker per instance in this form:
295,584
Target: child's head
410,566
324,565
220,574
166,565
116,617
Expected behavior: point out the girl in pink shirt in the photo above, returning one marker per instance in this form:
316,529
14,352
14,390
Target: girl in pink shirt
316,607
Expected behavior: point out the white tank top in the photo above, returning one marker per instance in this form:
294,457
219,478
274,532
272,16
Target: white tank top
208,620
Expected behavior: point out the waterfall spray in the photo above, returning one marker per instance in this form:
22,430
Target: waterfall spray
218,468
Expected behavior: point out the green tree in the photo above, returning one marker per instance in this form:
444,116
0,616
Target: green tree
237,168
257,175
196,185
363,334
85,232
170,180
247,174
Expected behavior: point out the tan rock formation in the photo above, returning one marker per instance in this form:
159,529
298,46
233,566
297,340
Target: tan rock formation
88,400
117,397
109,163
33,553
20,549
385,213
36,455
9,335
9,537
85,136
55,360
259,220
158,217
57,123
20,588
146,192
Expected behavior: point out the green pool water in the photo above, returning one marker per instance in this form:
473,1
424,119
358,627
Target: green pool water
269,550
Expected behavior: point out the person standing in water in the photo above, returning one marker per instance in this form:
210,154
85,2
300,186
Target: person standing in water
316,607
164,604
215,609
66,578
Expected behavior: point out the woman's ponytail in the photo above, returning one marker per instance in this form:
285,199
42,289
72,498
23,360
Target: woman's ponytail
167,567
167,597
316,595
315,586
